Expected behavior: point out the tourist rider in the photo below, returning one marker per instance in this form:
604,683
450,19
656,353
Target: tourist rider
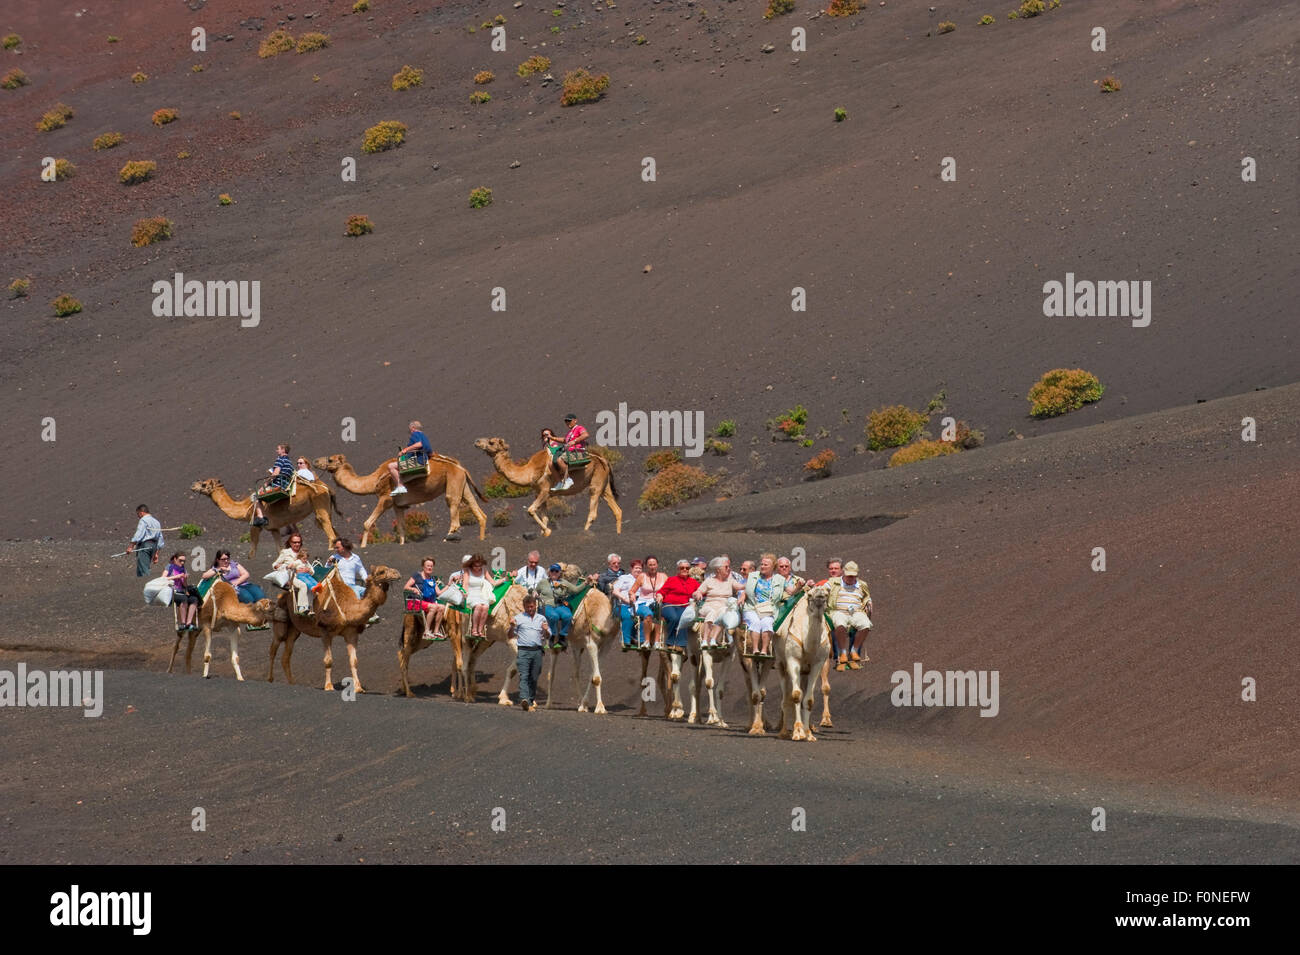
645,594
294,559
764,589
281,475
419,447
613,570
621,600
424,582
532,573
850,605
715,595
553,596
834,568
676,593
184,596
477,583
235,574
575,443
351,569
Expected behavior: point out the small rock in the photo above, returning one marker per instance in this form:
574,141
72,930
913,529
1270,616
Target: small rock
647,268
768,48
516,164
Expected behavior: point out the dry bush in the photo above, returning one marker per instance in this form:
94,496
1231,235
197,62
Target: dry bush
842,8
311,42
1030,8
161,117
225,200
137,77
480,97
361,6
922,450
14,79
484,76
108,140
55,118
277,42
582,87
136,170
776,8
386,135
151,230
497,485
947,26
65,305
407,77
534,64
502,516
480,197
19,288
1062,390
359,225
63,169
893,426
11,41
662,459
819,465
1111,84
673,485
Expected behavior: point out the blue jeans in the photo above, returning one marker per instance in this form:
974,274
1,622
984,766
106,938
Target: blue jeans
672,615
529,661
250,593
560,620
627,617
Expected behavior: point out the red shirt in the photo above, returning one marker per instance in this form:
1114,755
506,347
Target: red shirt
677,592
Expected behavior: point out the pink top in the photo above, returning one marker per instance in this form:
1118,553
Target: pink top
716,593
644,590
569,439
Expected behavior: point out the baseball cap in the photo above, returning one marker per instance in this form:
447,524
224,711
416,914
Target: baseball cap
556,567
850,569
570,417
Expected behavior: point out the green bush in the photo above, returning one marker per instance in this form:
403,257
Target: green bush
985,20
1031,8
136,170
478,97
1062,390
11,41
534,64
497,485
190,531
776,8
841,114
386,135
893,426
359,225
65,305
789,424
480,197
14,79
582,87
726,428
107,140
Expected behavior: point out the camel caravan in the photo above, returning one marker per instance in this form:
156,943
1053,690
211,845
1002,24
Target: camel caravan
695,621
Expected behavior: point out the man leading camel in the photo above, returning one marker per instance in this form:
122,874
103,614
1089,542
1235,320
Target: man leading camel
419,447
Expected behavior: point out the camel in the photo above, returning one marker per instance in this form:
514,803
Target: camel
412,641
826,695
309,498
712,663
801,645
339,612
498,631
447,477
597,479
221,610
594,622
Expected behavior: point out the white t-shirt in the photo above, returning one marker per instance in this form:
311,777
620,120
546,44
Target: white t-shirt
305,475
352,570
526,578
623,584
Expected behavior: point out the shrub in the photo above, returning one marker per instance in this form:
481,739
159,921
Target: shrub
1030,8
673,485
11,40
407,77
277,42
1054,4
225,200
183,154
137,77
496,485
1062,390
947,26
534,64
65,305
499,20
63,169
663,459
789,424
196,68
18,288
819,465
359,225
714,446
1013,15
311,42
479,97
841,114
415,524
137,170
1111,84
613,456
501,516
14,79
640,39
776,8
55,118
967,437
190,531
937,403
480,197
581,87
151,230
893,426
361,6
386,135
161,117
842,8
483,77
111,38
245,537
922,450
726,428
108,140
985,20
235,114
558,507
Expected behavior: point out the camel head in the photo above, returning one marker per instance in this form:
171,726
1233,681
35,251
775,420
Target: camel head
331,464
263,609
818,594
492,446
205,486
571,572
383,576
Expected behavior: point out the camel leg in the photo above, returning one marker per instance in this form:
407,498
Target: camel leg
791,700
254,533
453,499
550,678
400,514
535,508
189,650
699,673
403,657
322,514
503,698
207,651
350,636
645,665
288,653
479,515
234,654
756,694
592,650
175,649
718,673
593,496
468,683
608,495
806,704
328,641
457,679
826,694
368,528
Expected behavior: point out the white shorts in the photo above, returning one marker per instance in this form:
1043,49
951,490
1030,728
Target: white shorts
757,624
858,620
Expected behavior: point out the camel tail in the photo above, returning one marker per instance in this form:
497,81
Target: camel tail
613,489
469,478
334,503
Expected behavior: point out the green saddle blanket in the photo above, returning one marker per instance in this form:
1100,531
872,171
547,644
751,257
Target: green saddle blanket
575,600
205,586
784,609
